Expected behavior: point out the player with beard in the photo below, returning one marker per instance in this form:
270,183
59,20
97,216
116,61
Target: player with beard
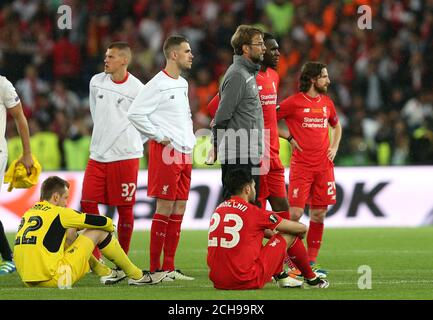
238,129
272,184
311,181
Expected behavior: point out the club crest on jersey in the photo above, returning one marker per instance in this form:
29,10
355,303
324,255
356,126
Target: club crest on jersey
295,192
165,189
172,97
274,243
324,111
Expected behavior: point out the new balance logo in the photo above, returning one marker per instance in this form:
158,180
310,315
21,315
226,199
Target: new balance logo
100,96
306,110
172,96
119,100
295,192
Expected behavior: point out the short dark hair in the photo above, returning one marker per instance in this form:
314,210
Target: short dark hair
268,36
172,41
121,45
237,179
52,185
309,71
243,35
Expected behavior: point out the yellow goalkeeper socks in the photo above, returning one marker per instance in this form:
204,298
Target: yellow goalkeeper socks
112,250
98,268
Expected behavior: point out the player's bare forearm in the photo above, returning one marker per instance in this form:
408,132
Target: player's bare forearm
22,127
268,233
336,133
23,130
292,227
285,134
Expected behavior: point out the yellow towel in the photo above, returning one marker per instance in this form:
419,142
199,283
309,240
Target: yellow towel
17,177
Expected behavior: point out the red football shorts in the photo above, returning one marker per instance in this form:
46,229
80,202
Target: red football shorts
169,174
316,188
112,183
269,263
272,184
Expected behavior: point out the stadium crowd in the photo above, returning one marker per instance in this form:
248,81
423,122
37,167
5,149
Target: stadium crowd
380,77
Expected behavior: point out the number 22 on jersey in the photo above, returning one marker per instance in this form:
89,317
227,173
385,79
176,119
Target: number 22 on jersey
232,231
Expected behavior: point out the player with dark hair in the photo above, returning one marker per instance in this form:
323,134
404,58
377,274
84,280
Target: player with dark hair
161,113
236,257
308,115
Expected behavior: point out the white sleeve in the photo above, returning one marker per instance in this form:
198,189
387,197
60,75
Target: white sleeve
140,110
8,94
92,96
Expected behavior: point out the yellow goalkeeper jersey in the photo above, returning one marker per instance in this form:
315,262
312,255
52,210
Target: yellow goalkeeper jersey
40,240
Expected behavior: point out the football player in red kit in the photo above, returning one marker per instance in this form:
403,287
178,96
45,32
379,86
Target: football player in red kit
308,115
236,258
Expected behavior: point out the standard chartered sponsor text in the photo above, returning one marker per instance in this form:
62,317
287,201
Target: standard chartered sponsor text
315,123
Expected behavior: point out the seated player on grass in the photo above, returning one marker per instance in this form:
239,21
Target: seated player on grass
236,256
48,252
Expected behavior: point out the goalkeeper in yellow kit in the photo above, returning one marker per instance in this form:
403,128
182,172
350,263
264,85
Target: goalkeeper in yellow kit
48,253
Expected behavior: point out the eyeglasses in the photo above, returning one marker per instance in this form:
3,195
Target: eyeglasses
261,44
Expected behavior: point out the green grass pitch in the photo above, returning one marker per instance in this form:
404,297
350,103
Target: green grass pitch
401,261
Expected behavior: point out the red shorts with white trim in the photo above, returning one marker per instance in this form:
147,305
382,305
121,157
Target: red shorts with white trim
169,173
272,183
113,183
316,188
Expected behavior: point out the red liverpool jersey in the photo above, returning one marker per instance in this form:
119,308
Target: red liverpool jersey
307,119
267,83
235,241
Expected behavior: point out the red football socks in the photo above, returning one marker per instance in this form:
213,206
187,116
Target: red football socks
171,241
125,226
158,233
314,239
298,254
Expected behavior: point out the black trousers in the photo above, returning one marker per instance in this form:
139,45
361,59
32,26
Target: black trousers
226,168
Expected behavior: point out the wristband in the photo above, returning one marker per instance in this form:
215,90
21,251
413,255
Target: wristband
290,138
